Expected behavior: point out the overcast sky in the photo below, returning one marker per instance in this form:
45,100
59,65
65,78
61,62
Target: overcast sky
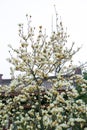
73,14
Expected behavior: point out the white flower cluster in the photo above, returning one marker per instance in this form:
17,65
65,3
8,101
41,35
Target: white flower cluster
26,104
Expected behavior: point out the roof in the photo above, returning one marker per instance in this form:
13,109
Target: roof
4,81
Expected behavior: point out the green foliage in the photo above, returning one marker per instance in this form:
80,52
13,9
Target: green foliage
85,75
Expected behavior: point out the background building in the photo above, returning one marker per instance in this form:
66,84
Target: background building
4,81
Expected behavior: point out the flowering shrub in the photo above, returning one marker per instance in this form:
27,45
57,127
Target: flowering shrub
27,104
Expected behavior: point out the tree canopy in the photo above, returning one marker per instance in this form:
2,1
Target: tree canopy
28,103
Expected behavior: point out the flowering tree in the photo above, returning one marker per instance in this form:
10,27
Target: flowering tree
43,95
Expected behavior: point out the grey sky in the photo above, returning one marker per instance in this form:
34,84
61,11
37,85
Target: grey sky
12,12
